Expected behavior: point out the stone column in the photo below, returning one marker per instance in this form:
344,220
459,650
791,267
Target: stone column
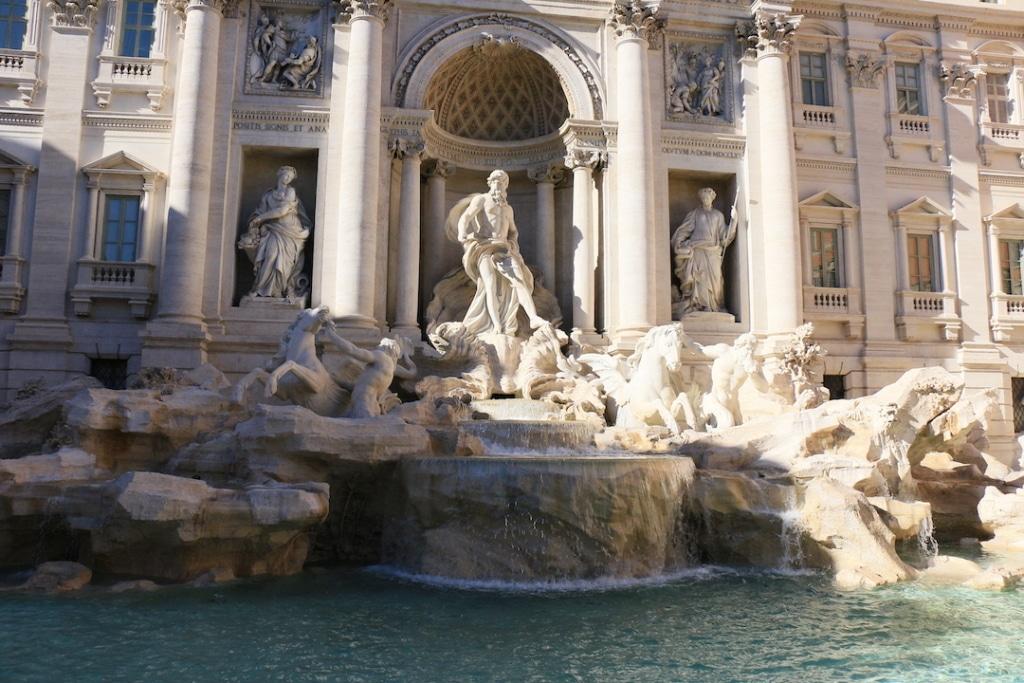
177,338
354,289
92,223
635,25
41,339
770,35
407,280
582,163
15,233
902,272
435,213
546,177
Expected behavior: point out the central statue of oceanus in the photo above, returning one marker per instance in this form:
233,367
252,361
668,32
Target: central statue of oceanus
484,225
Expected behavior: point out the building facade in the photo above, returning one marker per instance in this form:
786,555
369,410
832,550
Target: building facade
874,156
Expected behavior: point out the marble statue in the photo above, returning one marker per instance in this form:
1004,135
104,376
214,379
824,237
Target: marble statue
647,388
698,247
731,367
484,224
695,82
275,240
300,71
297,375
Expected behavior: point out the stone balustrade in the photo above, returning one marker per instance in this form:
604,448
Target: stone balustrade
129,281
919,311
130,75
20,68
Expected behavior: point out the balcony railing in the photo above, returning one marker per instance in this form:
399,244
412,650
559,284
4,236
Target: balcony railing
11,289
1003,134
919,311
19,68
815,117
826,300
905,124
130,75
130,281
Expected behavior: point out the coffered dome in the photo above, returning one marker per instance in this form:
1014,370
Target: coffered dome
499,92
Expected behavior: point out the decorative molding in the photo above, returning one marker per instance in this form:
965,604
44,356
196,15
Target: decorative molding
837,166
768,33
703,144
1001,179
959,78
283,117
73,13
96,119
356,9
864,69
918,172
506,20
633,19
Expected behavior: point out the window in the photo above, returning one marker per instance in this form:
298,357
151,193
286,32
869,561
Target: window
1017,391
921,263
836,385
814,79
997,88
825,257
908,90
1009,265
12,23
111,372
139,28
5,219
120,227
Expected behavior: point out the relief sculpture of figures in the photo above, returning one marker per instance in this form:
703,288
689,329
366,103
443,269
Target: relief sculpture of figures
275,240
485,226
695,83
283,56
698,247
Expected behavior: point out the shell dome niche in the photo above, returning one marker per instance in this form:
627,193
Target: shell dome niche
497,91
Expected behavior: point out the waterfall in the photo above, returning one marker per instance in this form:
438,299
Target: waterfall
926,538
791,534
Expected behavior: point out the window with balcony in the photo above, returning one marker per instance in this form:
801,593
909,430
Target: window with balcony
997,90
921,267
814,79
13,21
909,95
138,29
120,227
1010,251
826,257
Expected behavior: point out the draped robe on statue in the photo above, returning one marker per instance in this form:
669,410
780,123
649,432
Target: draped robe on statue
284,228
497,244
699,245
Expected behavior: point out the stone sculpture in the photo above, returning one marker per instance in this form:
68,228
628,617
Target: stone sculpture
731,367
695,83
698,247
283,57
647,389
275,241
297,375
484,225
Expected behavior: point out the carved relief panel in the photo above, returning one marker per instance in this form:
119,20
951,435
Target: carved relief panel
698,81
285,49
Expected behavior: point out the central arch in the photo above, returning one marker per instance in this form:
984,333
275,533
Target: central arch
439,44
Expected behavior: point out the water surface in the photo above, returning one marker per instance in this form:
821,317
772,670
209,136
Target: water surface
708,625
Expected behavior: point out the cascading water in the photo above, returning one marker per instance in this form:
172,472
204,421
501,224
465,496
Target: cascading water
926,538
791,535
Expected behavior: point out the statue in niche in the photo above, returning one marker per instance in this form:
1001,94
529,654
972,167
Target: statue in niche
698,248
695,86
276,239
485,226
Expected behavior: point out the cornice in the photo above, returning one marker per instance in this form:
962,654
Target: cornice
95,119
1002,179
319,117
845,167
703,144
941,173
20,117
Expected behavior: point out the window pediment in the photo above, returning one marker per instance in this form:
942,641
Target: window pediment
923,212
124,166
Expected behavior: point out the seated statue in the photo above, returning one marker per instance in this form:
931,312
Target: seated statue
698,247
300,71
484,224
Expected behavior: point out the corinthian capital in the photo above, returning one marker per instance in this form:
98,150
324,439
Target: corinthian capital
959,78
352,9
76,13
864,70
768,33
403,147
636,19
546,173
585,158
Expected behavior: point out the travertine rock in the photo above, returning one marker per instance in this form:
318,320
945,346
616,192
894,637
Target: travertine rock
853,541
1002,514
950,570
57,577
66,465
26,426
905,519
141,429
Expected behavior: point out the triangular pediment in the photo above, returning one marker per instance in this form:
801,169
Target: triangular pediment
120,162
1013,212
10,161
926,206
827,200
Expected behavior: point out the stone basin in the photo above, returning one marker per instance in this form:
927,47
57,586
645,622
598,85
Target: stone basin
530,436
536,517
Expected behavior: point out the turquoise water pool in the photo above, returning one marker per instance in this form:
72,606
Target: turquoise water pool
709,625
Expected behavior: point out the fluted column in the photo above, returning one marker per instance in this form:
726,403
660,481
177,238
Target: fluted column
634,24
354,289
546,177
582,163
770,35
435,213
407,280
188,188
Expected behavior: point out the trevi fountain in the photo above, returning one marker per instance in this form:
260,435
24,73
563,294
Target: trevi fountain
485,449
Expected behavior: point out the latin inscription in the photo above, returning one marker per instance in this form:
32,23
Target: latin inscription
266,127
